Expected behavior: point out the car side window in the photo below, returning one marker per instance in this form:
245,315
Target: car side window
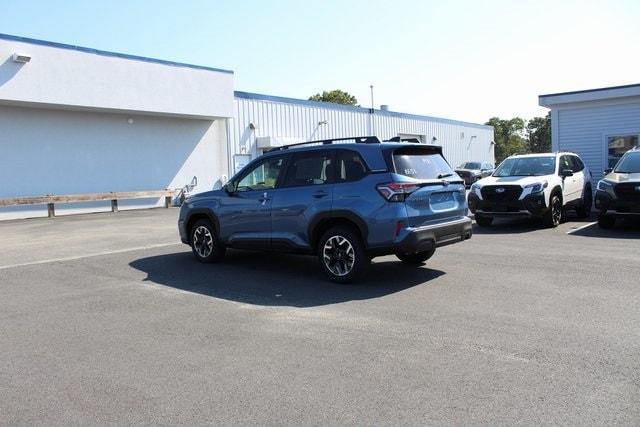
578,166
565,163
264,176
349,166
309,168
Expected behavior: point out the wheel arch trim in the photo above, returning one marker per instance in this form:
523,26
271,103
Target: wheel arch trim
323,217
201,212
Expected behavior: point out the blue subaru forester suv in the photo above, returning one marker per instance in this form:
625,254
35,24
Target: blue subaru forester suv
345,200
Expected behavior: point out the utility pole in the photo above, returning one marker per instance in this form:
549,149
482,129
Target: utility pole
371,126
371,87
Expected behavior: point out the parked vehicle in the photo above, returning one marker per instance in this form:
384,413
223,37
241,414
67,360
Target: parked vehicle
618,194
344,202
471,172
533,185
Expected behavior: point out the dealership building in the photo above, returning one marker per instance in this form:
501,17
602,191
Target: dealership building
600,125
76,120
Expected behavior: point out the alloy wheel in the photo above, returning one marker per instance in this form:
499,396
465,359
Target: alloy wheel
338,255
556,211
203,241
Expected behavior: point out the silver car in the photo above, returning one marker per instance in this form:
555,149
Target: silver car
471,172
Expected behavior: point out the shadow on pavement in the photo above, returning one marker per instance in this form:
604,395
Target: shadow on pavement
276,279
509,226
622,230
526,225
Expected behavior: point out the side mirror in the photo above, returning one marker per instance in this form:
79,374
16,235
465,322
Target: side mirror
608,171
229,188
566,172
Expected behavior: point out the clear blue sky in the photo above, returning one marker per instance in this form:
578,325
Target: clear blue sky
465,60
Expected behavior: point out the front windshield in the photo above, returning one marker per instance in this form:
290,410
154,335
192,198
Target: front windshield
470,165
629,163
527,166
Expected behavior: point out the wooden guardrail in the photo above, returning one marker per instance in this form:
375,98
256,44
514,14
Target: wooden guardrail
50,200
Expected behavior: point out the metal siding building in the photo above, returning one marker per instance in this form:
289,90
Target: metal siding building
287,120
598,124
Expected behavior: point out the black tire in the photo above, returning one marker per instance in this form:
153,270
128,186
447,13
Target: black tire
417,258
483,221
584,210
342,255
553,216
606,222
204,242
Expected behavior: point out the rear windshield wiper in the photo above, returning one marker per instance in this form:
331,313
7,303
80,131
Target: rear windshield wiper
444,175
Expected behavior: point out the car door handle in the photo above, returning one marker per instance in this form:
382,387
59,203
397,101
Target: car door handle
264,198
320,194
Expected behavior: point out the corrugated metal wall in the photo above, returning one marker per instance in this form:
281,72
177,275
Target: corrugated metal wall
584,131
291,118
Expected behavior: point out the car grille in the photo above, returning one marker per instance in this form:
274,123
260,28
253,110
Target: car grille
627,191
492,193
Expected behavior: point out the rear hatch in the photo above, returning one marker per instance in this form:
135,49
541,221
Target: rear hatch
430,190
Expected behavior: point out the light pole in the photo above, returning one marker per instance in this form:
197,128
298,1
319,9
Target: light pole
371,87
371,126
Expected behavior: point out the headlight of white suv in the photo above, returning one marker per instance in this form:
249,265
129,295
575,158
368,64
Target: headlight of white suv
537,187
475,188
604,185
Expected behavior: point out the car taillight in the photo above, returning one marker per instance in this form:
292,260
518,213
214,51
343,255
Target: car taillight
396,191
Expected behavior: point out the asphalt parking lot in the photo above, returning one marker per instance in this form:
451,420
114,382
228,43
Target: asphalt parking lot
107,318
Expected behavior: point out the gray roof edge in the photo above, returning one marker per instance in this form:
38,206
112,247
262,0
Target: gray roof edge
39,42
599,93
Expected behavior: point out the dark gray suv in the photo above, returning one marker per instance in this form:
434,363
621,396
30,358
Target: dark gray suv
345,200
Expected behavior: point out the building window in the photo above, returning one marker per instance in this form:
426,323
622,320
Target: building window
419,138
618,145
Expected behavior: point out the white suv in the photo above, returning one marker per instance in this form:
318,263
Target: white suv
533,185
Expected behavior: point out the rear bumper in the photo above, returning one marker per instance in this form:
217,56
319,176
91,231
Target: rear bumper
420,239
534,205
613,206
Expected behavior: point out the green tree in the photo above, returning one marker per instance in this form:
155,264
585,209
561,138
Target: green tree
539,134
508,136
336,96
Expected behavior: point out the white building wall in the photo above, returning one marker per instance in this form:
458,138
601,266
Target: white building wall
80,78
47,151
584,127
293,119
78,120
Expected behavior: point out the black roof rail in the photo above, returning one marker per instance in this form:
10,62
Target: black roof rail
356,139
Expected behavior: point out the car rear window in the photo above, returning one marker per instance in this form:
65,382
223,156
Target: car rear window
418,163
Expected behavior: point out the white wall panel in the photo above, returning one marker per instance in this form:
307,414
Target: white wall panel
69,77
66,152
